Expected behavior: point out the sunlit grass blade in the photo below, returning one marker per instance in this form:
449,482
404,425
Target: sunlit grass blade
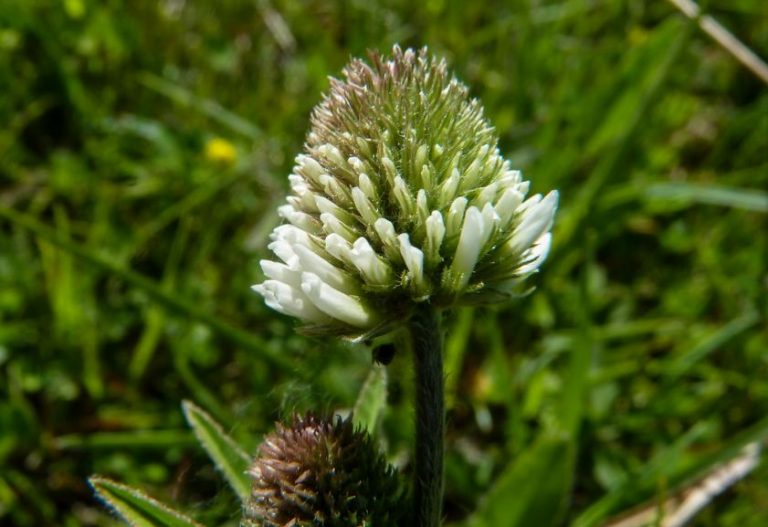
623,120
372,399
227,455
533,490
210,108
685,362
737,198
690,500
129,440
455,348
696,472
666,466
136,508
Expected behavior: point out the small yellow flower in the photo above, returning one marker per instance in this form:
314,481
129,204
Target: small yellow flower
220,150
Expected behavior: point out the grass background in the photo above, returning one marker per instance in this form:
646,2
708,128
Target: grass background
128,243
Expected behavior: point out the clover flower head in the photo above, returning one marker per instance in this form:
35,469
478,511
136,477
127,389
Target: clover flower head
322,472
401,196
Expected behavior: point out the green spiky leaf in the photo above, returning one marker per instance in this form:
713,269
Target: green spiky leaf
136,508
226,454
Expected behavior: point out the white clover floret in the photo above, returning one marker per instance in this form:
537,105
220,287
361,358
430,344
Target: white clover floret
395,207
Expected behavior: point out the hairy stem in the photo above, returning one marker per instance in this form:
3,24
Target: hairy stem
430,416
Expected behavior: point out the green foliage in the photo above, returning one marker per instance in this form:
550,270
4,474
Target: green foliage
128,244
533,490
372,401
228,457
138,509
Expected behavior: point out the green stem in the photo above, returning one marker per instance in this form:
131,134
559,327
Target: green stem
430,416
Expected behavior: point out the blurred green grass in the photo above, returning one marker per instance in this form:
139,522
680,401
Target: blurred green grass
127,245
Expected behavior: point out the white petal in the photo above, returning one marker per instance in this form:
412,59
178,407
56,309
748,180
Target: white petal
298,184
422,207
333,154
391,247
487,195
284,251
421,156
507,204
389,168
357,164
300,219
435,235
472,174
426,177
367,186
468,248
364,206
373,268
281,272
529,203
536,255
413,258
386,231
334,303
403,196
338,247
449,187
511,177
332,224
291,234
290,301
327,272
456,216
335,189
310,168
490,219
536,220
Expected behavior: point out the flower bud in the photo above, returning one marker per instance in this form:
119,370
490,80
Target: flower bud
322,473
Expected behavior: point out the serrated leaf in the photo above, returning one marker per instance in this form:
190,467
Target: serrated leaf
136,508
533,490
371,400
226,454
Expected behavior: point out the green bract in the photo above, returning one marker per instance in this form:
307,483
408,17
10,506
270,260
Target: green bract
401,196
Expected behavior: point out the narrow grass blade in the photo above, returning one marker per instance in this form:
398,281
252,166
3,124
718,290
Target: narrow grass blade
372,400
229,458
132,440
693,475
680,508
209,108
614,137
717,339
664,465
533,490
136,508
455,348
737,198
